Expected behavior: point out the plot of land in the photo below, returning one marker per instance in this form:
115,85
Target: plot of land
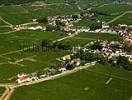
28,62
75,41
83,85
115,9
127,19
101,36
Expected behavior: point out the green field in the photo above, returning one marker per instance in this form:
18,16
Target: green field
126,19
101,36
84,85
2,89
41,59
86,22
114,9
12,41
3,29
75,41
18,14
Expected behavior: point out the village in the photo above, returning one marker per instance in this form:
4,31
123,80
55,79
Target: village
109,50
96,51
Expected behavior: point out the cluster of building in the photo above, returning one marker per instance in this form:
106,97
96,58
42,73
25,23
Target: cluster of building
28,27
112,49
23,77
67,22
65,61
125,31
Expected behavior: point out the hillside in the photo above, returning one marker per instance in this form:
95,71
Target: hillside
8,2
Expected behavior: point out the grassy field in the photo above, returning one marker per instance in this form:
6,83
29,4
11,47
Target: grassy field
126,19
75,41
26,37
84,85
41,59
86,22
3,29
101,36
2,89
18,14
114,9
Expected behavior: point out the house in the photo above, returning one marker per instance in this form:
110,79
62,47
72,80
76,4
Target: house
105,26
62,69
21,78
67,57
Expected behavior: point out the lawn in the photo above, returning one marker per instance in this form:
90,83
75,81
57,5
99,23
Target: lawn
101,36
83,85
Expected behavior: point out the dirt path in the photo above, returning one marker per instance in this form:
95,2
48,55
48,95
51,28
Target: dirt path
5,93
61,39
5,33
5,21
118,17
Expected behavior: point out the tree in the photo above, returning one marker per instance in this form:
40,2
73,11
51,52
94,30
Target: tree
96,45
75,17
94,25
42,20
124,62
49,28
70,67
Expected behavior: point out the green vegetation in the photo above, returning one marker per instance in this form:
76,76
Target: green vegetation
2,89
101,36
89,84
43,59
75,41
84,85
114,9
127,19
12,41
3,29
